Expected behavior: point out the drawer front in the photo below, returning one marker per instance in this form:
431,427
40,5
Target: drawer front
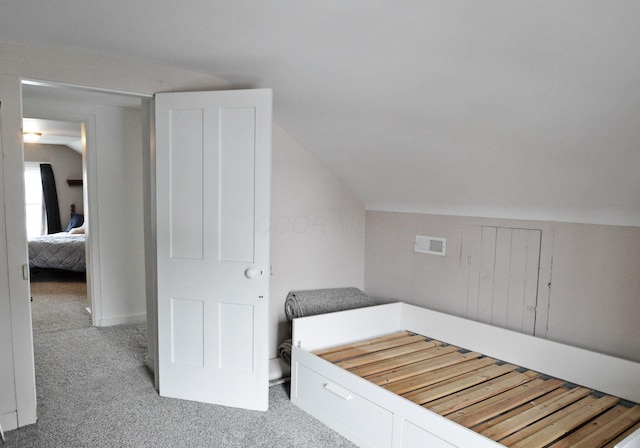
416,437
347,411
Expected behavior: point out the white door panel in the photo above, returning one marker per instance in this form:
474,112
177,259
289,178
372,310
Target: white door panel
213,164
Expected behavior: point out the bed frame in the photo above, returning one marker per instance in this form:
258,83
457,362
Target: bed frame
369,412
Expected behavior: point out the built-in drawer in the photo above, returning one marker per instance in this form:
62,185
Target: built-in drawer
367,422
415,437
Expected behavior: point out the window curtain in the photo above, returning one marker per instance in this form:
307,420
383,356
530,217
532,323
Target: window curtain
50,195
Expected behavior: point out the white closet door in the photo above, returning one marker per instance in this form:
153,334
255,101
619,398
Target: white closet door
500,269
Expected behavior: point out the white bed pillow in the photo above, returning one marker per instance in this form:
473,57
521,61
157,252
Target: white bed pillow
77,230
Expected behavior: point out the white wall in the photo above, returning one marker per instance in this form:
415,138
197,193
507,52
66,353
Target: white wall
317,230
317,224
66,164
595,287
120,215
18,401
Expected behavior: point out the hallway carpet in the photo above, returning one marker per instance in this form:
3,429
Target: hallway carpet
94,391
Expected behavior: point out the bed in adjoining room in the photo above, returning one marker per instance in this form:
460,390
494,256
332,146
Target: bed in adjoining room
64,251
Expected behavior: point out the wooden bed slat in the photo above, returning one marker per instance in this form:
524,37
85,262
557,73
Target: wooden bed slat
482,411
370,348
515,407
558,425
519,410
603,429
386,354
505,402
463,382
541,424
610,430
418,382
339,348
535,413
487,389
373,368
623,436
418,368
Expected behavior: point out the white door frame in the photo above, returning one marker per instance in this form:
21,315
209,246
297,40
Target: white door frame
24,363
89,171
149,203
90,191
17,285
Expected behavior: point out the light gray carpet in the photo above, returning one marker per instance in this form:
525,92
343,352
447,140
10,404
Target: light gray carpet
59,306
94,391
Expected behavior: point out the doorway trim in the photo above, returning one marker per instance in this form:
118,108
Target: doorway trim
90,199
88,125
90,174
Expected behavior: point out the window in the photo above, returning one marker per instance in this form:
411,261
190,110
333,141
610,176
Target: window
33,200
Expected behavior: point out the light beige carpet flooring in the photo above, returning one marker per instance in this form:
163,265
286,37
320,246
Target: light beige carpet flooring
58,306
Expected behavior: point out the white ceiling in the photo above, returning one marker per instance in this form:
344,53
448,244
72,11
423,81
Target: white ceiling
54,132
66,133
506,108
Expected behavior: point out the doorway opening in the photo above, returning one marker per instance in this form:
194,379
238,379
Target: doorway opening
54,205
107,186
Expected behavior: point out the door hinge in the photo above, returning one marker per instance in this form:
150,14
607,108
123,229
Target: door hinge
25,272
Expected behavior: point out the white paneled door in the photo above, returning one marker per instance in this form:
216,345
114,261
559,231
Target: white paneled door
213,169
500,275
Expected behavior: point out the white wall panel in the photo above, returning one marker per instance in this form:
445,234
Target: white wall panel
588,298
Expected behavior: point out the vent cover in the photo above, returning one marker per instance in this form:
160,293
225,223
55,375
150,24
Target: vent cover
430,245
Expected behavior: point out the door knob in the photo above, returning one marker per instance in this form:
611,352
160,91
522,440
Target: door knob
250,273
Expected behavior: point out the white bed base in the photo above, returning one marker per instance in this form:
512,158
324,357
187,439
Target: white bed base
371,416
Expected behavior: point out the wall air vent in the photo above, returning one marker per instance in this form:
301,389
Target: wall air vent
430,245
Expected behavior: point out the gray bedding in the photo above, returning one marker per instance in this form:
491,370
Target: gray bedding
320,301
58,251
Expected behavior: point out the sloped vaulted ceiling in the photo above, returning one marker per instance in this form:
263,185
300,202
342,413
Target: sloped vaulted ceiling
504,108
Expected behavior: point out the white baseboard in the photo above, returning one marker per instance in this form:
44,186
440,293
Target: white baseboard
119,320
279,371
148,361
